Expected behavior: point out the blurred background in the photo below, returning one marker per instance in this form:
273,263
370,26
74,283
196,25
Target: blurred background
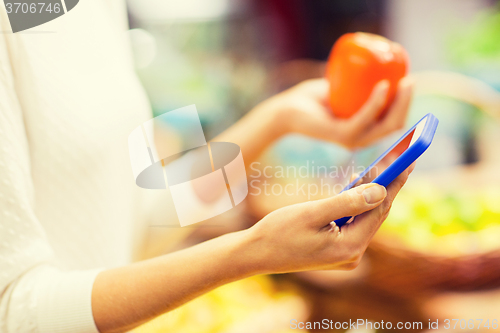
438,254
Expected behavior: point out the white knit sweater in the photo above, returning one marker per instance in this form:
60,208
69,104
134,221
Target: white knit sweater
69,98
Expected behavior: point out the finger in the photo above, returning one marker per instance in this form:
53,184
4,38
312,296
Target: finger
393,189
395,186
361,180
366,225
369,112
396,115
320,123
323,125
353,177
349,203
412,167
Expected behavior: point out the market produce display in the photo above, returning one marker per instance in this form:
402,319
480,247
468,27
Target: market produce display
356,63
250,305
428,219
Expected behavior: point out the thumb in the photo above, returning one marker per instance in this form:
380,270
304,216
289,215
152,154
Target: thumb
349,203
316,88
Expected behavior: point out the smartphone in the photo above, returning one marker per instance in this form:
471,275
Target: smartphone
398,157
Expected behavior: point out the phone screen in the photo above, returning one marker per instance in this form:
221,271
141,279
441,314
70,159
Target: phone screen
384,161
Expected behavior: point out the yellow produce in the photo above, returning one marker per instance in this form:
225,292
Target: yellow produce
453,223
250,305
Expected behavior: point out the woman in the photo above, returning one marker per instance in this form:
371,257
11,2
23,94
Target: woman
68,100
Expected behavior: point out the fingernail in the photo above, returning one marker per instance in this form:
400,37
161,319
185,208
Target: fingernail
374,194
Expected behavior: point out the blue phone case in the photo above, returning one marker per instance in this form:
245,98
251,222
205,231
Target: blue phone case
403,161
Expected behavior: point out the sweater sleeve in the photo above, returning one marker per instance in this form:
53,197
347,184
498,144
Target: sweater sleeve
35,296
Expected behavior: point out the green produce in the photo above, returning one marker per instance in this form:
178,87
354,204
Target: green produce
426,218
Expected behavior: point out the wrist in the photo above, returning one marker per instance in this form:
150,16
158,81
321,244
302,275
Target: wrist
249,253
275,117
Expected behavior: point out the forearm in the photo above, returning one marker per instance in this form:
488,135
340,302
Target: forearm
125,297
255,131
294,238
